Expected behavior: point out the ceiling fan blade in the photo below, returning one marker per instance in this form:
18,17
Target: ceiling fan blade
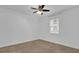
41,6
33,8
46,10
35,12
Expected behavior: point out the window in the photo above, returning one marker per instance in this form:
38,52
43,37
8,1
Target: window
54,26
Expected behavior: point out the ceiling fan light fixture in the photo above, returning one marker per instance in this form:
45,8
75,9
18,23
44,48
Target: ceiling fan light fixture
39,12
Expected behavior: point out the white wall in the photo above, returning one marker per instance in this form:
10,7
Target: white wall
16,27
69,29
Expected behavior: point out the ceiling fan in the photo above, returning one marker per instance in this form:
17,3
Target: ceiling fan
40,9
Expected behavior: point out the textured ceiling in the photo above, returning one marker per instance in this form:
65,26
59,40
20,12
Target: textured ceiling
25,9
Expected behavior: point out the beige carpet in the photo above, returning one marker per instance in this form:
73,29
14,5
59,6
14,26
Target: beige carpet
38,46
